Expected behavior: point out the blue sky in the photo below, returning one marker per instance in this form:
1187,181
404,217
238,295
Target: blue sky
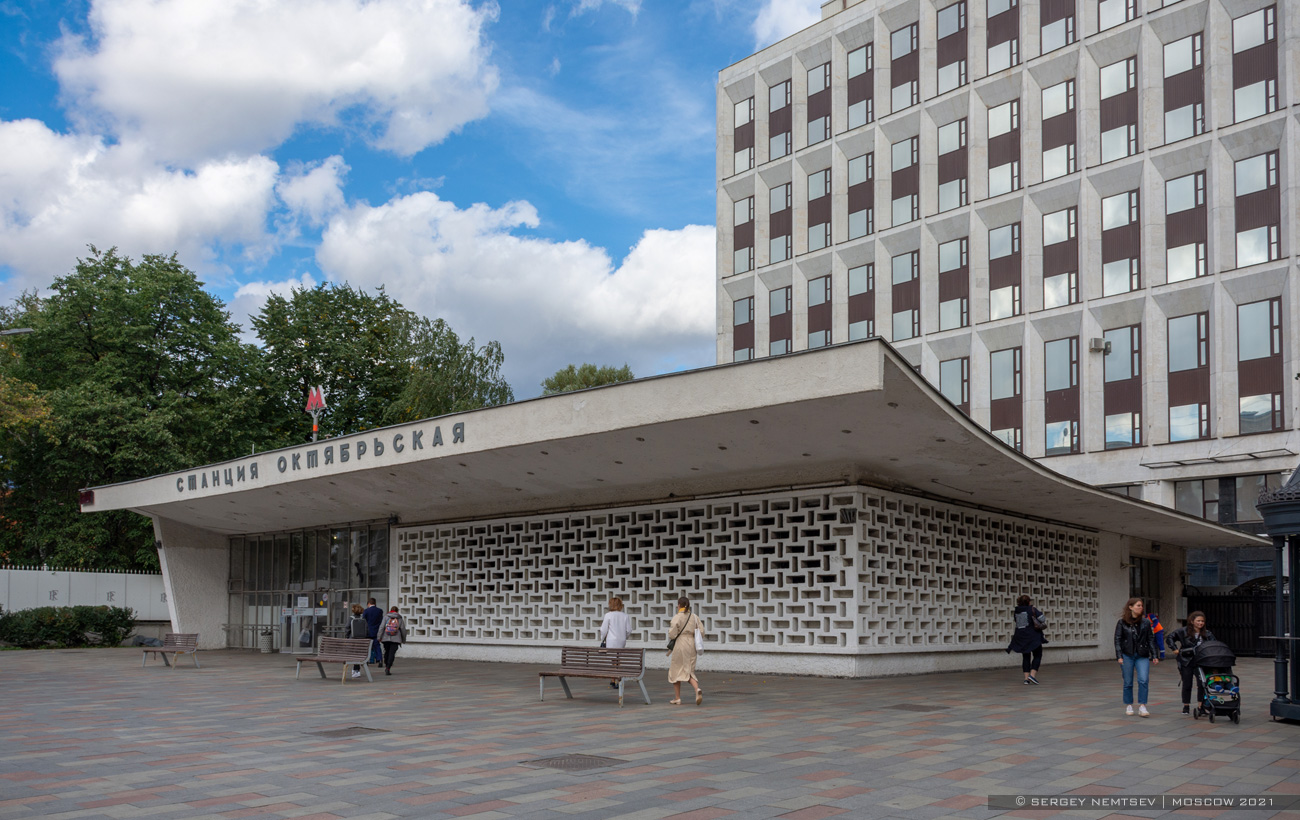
538,173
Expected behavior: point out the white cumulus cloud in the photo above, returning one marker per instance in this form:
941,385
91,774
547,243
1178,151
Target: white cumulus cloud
62,192
199,78
549,303
314,191
778,19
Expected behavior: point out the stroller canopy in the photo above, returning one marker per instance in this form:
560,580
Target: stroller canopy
1215,654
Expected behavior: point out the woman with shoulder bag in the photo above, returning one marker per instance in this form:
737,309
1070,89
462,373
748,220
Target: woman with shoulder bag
392,633
1135,650
614,630
1028,638
681,651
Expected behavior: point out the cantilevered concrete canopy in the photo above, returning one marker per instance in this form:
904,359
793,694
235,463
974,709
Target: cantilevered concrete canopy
852,413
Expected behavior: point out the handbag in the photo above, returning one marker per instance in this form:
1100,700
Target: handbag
673,640
1038,622
699,641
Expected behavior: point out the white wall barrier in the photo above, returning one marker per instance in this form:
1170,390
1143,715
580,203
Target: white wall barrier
31,587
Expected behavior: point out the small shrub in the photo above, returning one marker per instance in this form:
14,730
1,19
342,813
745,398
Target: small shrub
66,626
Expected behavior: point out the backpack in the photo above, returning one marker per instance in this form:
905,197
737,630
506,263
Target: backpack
357,627
392,628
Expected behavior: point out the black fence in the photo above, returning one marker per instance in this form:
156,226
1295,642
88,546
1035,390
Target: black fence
1240,620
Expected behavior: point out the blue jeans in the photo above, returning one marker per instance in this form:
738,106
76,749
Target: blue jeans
1143,667
376,651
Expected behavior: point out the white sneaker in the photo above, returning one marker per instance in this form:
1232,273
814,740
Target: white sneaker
1142,710
356,673
1128,710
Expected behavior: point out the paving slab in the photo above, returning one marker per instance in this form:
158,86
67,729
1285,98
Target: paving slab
93,735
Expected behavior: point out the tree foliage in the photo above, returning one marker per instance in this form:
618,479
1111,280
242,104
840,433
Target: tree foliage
583,376
134,370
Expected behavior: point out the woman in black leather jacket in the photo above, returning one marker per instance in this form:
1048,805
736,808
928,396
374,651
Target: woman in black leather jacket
1184,641
1135,649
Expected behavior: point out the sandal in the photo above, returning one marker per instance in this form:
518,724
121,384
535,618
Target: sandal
677,702
699,696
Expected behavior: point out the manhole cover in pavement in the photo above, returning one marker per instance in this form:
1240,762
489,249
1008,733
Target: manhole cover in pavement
916,707
351,731
575,763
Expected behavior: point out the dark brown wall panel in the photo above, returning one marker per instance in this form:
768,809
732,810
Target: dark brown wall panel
952,165
1004,272
1184,89
1185,227
744,336
1062,405
781,223
907,296
861,197
906,181
952,49
1059,130
819,317
954,284
1258,209
1006,413
1053,10
1121,109
1121,243
745,136
778,122
1123,396
819,210
862,307
1061,257
779,326
1255,65
1189,387
744,235
819,104
861,87
1260,376
905,68
1004,148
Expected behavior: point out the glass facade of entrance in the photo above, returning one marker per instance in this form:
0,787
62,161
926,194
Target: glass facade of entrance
299,584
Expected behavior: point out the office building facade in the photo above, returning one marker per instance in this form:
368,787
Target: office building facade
1075,218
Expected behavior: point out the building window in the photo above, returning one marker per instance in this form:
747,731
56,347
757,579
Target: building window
905,180
1058,130
1006,412
1111,13
1122,388
954,382
744,135
905,67
905,272
861,90
819,210
819,103
779,120
1004,148
951,58
1061,258
1248,489
742,324
743,234
1185,228
781,223
819,312
954,284
1189,377
1119,118
1184,88
1199,498
1259,367
780,328
1061,399
1004,271
1120,244
1258,210
862,302
1203,573
1254,64
952,165
1057,20
1003,34
862,196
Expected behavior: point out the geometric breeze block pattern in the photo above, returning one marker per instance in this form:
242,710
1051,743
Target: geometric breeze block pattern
846,570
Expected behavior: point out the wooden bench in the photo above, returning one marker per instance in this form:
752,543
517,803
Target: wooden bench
594,662
174,644
347,651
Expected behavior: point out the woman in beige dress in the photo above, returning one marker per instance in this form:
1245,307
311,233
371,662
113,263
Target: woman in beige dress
681,663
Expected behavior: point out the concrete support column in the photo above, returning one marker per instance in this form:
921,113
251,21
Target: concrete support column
196,573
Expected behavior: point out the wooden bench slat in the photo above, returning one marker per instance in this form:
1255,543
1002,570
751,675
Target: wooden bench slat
175,644
347,651
594,662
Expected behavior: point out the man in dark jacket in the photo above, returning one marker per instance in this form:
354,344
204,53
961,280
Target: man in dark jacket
374,617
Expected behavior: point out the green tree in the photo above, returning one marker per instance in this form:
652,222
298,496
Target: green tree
141,372
583,376
446,375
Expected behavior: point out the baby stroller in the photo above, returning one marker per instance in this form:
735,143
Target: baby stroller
1220,690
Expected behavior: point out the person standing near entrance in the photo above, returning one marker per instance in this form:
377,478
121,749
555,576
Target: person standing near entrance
1135,649
1028,638
1184,641
374,617
392,633
357,629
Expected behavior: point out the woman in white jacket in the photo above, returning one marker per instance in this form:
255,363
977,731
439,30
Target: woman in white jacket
614,629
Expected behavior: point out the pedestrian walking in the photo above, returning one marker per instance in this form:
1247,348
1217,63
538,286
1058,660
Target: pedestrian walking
357,628
374,617
392,634
614,629
1028,638
1184,641
681,652
1135,649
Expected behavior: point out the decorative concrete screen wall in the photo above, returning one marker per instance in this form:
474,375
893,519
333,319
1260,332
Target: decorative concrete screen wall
851,570
28,588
